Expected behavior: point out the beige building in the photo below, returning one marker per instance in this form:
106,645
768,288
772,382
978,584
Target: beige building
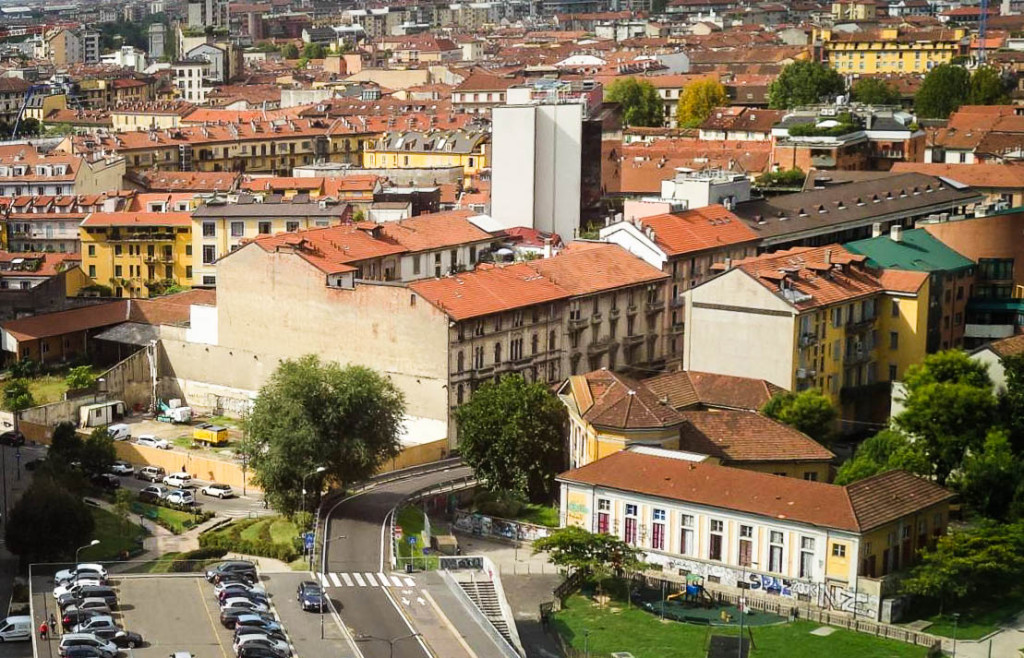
24,170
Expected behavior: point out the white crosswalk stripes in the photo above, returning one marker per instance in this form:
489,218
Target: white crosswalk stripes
343,579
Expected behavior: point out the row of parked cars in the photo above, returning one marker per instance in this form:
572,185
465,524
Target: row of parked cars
86,600
245,608
168,487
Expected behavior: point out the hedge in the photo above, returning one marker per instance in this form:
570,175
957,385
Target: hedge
196,560
229,538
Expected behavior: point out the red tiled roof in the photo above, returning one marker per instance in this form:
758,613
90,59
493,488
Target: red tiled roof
690,231
332,249
434,231
981,175
488,290
747,436
618,402
45,325
888,496
122,219
687,388
587,267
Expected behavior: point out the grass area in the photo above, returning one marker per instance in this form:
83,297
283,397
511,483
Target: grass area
269,536
977,618
616,628
47,389
174,520
223,420
413,524
545,515
299,564
282,530
115,537
182,442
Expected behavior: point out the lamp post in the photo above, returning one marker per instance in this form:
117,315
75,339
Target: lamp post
79,549
586,643
319,469
741,606
391,642
956,620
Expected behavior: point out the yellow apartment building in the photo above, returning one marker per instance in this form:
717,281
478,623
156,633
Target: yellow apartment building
414,149
853,10
137,253
891,50
765,536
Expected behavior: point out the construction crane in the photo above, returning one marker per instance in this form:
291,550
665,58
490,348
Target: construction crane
982,30
24,104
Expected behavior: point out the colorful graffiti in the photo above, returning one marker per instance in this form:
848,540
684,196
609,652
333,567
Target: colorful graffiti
488,526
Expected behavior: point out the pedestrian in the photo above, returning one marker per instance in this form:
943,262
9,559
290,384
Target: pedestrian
42,630
266,503
182,468
53,624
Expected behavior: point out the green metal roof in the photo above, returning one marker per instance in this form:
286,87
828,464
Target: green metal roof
919,251
1016,305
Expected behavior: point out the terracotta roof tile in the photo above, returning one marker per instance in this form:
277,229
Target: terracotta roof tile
1008,346
125,219
488,290
695,230
434,231
747,436
45,325
623,403
586,267
902,280
333,249
888,496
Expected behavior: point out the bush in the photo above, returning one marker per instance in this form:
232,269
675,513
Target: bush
786,178
196,560
229,539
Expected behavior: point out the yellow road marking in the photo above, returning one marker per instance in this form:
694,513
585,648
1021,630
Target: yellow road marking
213,624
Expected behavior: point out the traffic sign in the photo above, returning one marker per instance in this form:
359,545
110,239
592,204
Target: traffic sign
308,539
398,531
412,540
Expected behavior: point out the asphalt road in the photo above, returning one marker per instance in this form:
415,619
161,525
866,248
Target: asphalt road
237,507
357,545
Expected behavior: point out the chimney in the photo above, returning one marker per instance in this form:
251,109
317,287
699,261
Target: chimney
828,257
896,233
547,247
876,229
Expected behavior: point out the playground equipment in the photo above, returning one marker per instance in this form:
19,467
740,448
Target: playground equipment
693,594
173,412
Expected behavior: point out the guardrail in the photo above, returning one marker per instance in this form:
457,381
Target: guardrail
500,641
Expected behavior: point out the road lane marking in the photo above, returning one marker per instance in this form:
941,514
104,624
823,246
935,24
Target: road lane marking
409,582
213,624
323,579
396,580
359,579
384,582
369,579
347,579
334,579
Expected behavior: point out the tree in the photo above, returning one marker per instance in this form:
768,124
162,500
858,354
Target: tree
639,100
944,89
98,453
977,560
79,378
808,411
48,523
886,451
17,395
1011,401
804,83
314,51
311,414
511,434
949,408
123,499
599,554
874,91
290,51
65,446
698,101
987,87
991,480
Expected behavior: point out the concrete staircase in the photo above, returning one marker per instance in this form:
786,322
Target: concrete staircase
482,593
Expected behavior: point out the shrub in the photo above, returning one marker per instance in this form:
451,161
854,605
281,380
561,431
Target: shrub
229,539
196,560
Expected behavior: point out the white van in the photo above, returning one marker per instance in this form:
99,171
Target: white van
16,629
120,432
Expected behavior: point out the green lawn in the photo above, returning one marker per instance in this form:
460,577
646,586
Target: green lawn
615,628
545,515
174,520
977,620
413,524
47,389
270,536
114,535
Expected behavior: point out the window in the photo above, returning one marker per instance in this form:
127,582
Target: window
838,550
117,250
117,270
806,557
604,507
188,250
209,229
776,544
92,271
237,229
497,353
209,254
534,343
686,524
715,540
461,361
811,475
894,340
188,271
92,250
478,357
551,340
209,280
459,395
416,263
658,529
746,546
892,372
264,228
630,525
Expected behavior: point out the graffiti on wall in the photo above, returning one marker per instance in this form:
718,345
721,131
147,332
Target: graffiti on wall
833,597
489,526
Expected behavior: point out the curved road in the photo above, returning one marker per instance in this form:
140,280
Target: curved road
357,543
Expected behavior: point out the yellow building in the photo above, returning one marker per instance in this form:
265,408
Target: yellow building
439,148
137,253
811,317
890,50
821,544
708,417
146,116
853,10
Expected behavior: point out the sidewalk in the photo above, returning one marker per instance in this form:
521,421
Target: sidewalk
1005,643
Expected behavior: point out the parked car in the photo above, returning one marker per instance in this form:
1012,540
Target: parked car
12,438
90,604
122,468
264,641
229,617
120,637
153,493
239,585
151,473
119,432
257,620
244,604
64,575
218,490
84,652
16,628
311,596
107,481
178,480
73,586
276,633
180,497
71,618
104,592
244,568
253,595
260,651
69,640
152,442
93,624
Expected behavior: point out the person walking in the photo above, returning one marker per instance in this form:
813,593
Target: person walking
53,624
42,630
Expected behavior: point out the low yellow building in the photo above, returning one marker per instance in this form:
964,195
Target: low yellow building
158,115
412,149
758,534
853,10
891,50
137,253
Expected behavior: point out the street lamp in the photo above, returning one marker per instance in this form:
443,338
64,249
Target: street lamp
391,642
742,607
956,620
79,549
319,469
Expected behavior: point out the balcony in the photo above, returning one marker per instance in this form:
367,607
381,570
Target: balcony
165,258
806,373
677,329
630,341
600,346
576,324
632,309
857,356
614,314
677,302
141,237
860,325
807,340
595,318
655,307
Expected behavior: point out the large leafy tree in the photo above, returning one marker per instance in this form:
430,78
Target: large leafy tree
949,408
874,91
639,100
48,523
991,479
944,89
886,451
698,101
97,452
987,87
17,395
511,433
65,446
577,548
804,83
1011,401
311,414
808,411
